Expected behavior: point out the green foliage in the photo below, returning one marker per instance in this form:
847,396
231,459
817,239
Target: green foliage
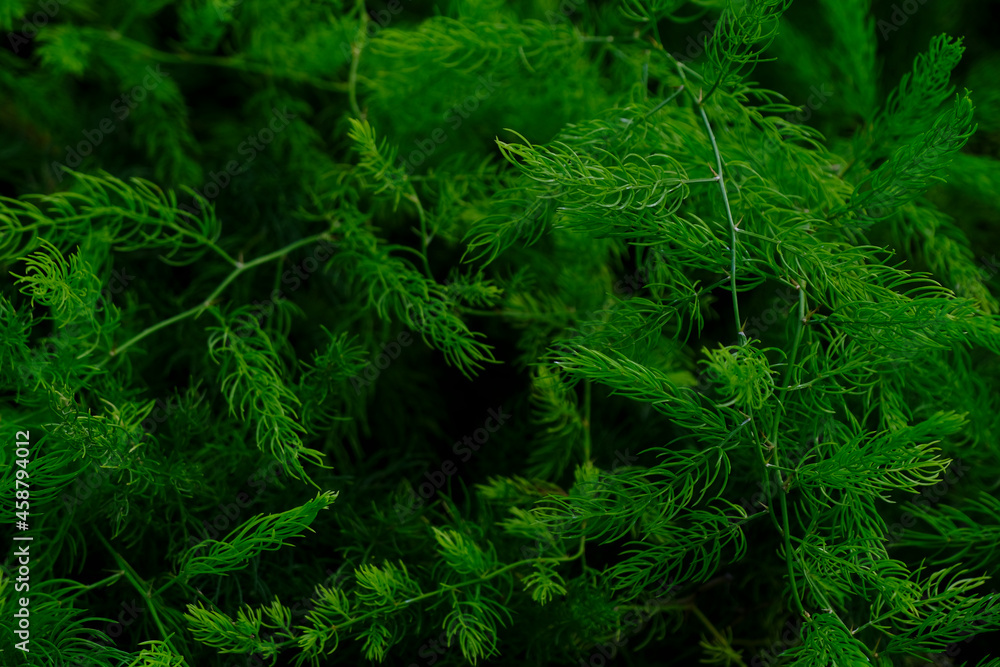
741,37
254,536
654,328
251,380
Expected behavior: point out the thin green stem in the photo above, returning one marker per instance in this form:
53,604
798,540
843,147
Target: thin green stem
425,239
789,553
711,90
89,587
142,587
656,29
782,492
790,367
153,329
850,166
663,103
571,315
718,636
173,580
818,590
699,102
489,313
197,310
200,595
759,236
449,588
889,614
682,66
767,472
264,259
732,225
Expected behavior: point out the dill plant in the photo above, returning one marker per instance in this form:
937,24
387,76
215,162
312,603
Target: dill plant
778,445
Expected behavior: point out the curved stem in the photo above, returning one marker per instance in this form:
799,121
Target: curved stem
144,589
732,225
699,102
450,588
89,587
656,29
715,633
775,422
711,90
264,259
425,240
767,472
153,329
173,580
789,554
197,310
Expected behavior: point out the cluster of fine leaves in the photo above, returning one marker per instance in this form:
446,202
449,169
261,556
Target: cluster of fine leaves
483,332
